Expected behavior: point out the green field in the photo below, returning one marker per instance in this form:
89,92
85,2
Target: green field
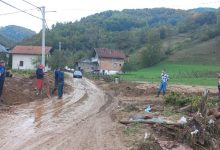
189,74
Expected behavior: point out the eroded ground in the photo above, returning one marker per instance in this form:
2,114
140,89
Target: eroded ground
88,116
81,120
132,100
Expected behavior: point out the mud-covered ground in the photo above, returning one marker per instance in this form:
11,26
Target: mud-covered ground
81,120
87,117
132,100
19,89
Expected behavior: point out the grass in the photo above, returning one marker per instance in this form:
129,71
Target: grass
133,128
24,73
189,74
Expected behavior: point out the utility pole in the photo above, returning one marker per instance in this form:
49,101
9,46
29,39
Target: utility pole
59,46
43,36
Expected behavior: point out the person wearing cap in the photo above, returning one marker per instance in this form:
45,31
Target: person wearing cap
2,77
40,77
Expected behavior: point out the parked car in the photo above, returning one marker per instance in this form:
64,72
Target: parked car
77,74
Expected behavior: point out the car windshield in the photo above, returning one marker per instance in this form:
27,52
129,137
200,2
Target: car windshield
77,73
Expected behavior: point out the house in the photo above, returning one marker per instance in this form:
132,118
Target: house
23,56
86,65
109,61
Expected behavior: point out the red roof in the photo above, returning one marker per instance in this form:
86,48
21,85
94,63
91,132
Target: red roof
30,50
109,53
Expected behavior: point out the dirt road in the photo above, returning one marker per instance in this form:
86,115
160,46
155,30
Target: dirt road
79,121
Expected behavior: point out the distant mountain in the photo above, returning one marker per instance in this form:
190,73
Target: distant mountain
204,9
6,42
15,34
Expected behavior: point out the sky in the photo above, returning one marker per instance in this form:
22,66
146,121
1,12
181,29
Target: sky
72,10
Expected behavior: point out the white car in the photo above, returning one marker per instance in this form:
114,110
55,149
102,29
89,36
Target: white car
77,74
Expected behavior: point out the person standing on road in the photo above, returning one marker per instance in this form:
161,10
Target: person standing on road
56,73
60,83
218,84
2,77
40,77
163,82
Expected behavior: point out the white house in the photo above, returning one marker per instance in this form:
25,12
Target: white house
23,56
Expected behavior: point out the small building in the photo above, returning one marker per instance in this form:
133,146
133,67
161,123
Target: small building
24,56
109,61
86,65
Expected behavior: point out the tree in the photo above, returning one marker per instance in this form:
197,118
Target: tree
151,53
57,59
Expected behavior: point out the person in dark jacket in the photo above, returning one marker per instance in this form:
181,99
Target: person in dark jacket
60,83
2,77
218,84
56,73
40,77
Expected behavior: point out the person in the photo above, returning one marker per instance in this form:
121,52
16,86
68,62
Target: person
56,72
40,77
163,83
218,84
2,77
60,83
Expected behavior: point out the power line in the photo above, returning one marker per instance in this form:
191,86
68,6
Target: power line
20,9
37,8
31,4
16,12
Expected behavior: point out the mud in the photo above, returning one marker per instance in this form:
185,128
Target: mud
18,89
86,118
132,100
80,120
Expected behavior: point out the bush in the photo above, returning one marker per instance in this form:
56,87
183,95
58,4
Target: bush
24,73
181,99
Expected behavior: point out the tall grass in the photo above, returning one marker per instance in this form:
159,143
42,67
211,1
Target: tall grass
190,74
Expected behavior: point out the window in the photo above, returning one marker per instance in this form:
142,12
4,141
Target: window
21,63
115,65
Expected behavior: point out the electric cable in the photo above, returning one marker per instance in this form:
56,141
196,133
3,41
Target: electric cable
20,9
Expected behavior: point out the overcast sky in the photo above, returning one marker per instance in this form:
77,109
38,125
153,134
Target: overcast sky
72,10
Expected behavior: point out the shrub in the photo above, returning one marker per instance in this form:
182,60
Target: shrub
181,99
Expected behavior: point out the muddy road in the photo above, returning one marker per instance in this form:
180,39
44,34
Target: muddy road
80,120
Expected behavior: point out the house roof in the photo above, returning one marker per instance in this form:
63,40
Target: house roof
109,53
33,50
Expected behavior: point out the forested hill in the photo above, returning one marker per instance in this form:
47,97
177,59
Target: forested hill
6,42
9,35
129,29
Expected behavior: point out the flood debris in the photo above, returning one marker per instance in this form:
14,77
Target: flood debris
148,108
199,132
182,120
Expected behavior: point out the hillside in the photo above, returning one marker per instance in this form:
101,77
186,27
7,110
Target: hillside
15,34
136,30
6,42
206,52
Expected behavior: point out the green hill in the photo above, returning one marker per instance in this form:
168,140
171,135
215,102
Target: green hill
180,34
206,52
6,42
16,34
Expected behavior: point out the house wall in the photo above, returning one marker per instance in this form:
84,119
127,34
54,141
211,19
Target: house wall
87,67
27,59
110,64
